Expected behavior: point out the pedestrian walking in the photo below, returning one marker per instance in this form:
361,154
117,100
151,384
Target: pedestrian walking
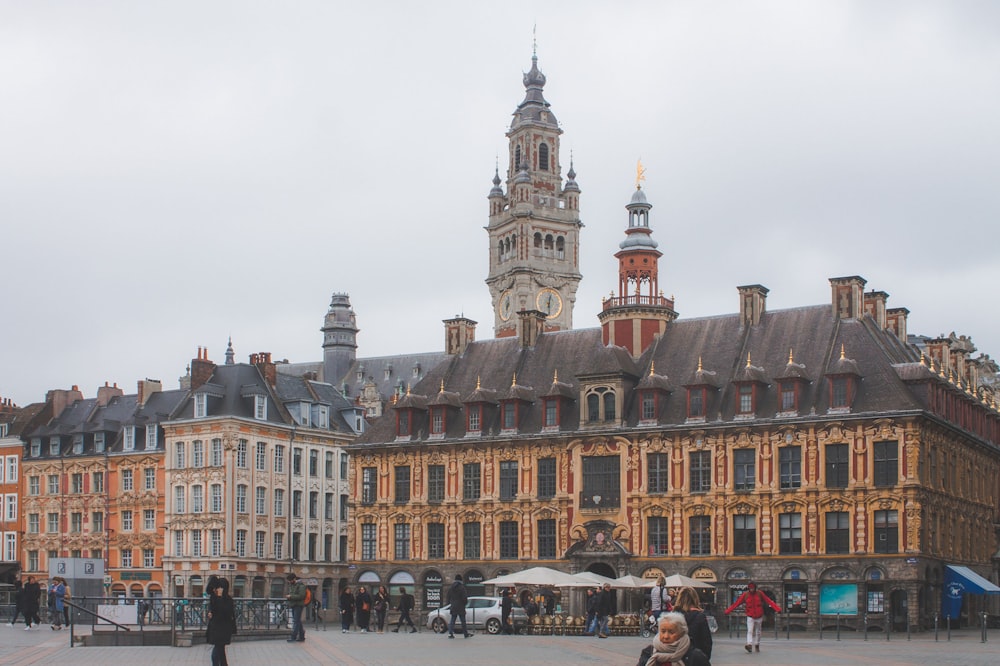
296,602
57,592
659,599
606,609
506,608
381,606
66,597
18,602
221,622
406,604
363,608
346,603
593,601
754,600
30,602
689,604
458,597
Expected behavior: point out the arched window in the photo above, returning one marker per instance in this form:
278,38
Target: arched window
561,248
538,241
549,243
499,255
609,406
543,156
593,408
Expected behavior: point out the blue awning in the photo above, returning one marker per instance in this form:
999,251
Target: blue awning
968,579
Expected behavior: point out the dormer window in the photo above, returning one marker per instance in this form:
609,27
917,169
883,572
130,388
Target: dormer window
36,447
745,400
789,399
78,443
98,442
54,445
260,407
839,393
601,405
128,438
151,436
388,372
475,420
696,402
403,423
843,379
200,405
416,371
648,406
551,412
438,422
322,416
509,415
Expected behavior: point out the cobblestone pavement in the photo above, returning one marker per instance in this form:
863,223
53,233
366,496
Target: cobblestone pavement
19,647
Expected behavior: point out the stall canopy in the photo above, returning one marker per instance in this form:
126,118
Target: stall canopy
677,580
959,581
536,576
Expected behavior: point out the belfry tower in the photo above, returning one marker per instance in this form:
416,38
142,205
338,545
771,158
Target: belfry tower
639,312
534,225
340,339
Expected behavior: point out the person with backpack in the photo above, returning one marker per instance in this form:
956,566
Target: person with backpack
755,600
297,593
458,597
406,604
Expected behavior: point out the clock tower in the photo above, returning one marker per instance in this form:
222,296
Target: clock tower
534,225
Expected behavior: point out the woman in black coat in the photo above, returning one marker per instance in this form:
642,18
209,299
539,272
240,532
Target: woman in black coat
363,608
346,609
221,621
689,604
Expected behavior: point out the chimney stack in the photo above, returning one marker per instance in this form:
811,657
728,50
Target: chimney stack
61,398
263,363
148,387
848,296
531,324
105,393
895,321
875,307
753,298
459,332
201,369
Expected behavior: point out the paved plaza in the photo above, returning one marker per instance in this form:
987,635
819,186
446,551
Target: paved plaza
355,649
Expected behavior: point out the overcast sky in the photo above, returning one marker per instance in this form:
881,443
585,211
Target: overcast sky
173,173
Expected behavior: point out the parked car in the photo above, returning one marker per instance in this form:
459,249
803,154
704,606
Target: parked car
480,613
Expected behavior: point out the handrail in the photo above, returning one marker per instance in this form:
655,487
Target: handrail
72,631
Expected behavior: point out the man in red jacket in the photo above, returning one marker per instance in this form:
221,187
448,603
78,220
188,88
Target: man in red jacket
754,600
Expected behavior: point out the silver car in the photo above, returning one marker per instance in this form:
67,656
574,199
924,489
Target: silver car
480,613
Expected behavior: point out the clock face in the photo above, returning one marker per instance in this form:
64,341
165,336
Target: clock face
550,302
506,306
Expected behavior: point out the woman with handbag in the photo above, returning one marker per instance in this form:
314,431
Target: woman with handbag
363,608
381,607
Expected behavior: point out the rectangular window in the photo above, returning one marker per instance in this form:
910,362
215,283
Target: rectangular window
33,560
197,454
279,502
509,415
33,523
658,471
471,540
838,532
886,464
149,520
76,483
368,538
241,454
148,558
886,532
216,498
475,412
215,542
149,478
744,469
701,471
241,543
701,535
178,543
344,465
98,442
200,405
296,504
437,420
790,533
260,501
470,482
126,521
179,499
508,480
241,498
260,456
34,485
10,546
648,406
196,545
369,481
260,407
435,483
313,463
344,505
179,459
297,461
745,399
839,398
435,541
54,484
97,482
77,445
403,422
97,521
546,478
551,412
151,436
837,472
744,535
788,397
313,505
790,467
601,482
279,545
658,537
696,403
76,522
128,483
126,556
128,433
328,465
402,484
216,453
279,458
547,538
10,507
258,544
508,540
197,499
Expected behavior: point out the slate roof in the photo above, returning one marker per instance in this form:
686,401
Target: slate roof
721,343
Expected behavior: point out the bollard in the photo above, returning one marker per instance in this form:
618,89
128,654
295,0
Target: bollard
984,627
820,626
949,627
907,626
935,627
788,628
864,620
838,626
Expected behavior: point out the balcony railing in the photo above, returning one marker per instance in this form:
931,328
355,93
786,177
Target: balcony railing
637,300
